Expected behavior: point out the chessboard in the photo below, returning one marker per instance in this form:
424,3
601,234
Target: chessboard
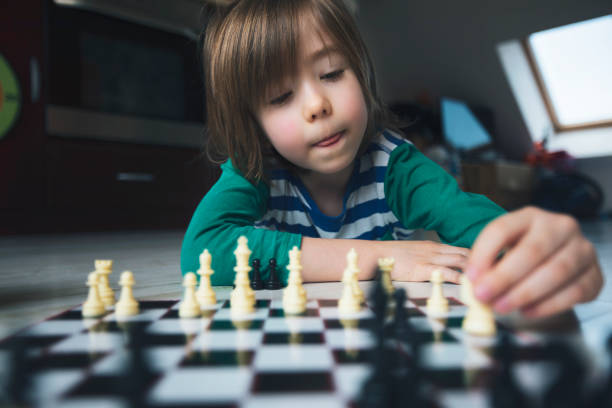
320,358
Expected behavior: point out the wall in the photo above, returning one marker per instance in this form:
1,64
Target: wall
449,48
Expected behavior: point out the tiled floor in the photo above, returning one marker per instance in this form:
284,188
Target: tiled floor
45,274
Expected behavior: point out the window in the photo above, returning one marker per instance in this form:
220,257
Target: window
573,68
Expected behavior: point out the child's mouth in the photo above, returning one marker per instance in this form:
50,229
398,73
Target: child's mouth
331,140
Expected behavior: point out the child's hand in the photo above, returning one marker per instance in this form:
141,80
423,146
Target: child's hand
416,260
548,265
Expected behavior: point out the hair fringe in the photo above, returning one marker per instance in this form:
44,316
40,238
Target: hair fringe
232,131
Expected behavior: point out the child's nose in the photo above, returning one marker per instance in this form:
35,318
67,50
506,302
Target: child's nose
317,107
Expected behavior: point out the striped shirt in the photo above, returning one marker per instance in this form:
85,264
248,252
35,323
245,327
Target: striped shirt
365,213
391,181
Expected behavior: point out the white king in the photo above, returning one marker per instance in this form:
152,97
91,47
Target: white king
294,295
242,300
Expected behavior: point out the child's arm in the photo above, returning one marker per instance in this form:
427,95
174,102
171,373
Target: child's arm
423,195
229,210
232,206
325,259
548,265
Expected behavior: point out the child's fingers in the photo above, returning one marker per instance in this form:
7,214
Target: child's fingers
450,260
449,249
583,289
493,238
548,278
531,251
422,273
448,274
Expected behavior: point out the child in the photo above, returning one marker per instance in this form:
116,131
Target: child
314,163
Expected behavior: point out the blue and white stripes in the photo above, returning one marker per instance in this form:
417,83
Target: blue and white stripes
365,215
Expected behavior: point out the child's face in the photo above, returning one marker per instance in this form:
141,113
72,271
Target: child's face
317,119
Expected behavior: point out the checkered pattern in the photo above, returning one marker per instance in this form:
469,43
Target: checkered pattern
320,358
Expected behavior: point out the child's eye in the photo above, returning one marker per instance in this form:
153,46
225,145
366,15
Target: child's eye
279,100
333,75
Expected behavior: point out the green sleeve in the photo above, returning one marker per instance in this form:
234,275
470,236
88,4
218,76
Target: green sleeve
226,212
422,195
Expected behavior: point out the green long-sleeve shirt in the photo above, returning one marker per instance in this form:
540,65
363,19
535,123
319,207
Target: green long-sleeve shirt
394,189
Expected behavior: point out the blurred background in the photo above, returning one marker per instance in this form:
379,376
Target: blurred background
102,105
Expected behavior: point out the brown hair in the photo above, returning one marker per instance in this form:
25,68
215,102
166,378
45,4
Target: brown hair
250,44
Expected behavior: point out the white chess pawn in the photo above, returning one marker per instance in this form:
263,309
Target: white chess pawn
206,294
189,306
479,319
386,267
242,299
127,305
348,303
294,295
437,304
104,267
93,306
351,260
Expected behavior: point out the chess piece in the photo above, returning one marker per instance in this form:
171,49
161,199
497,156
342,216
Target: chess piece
127,305
189,306
350,301
93,306
602,393
568,387
256,282
377,389
410,385
353,269
273,282
437,304
137,373
380,302
104,267
18,390
386,266
479,319
294,295
206,294
401,326
505,391
242,300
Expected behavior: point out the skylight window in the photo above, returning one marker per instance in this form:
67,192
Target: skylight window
573,65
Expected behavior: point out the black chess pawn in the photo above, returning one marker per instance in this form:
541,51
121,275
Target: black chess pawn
567,390
505,392
409,385
273,282
138,373
19,379
379,300
602,393
256,282
377,390
402,330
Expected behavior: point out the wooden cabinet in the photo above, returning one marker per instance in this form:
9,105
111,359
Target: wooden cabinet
53,183
114,185
22,146
111,175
